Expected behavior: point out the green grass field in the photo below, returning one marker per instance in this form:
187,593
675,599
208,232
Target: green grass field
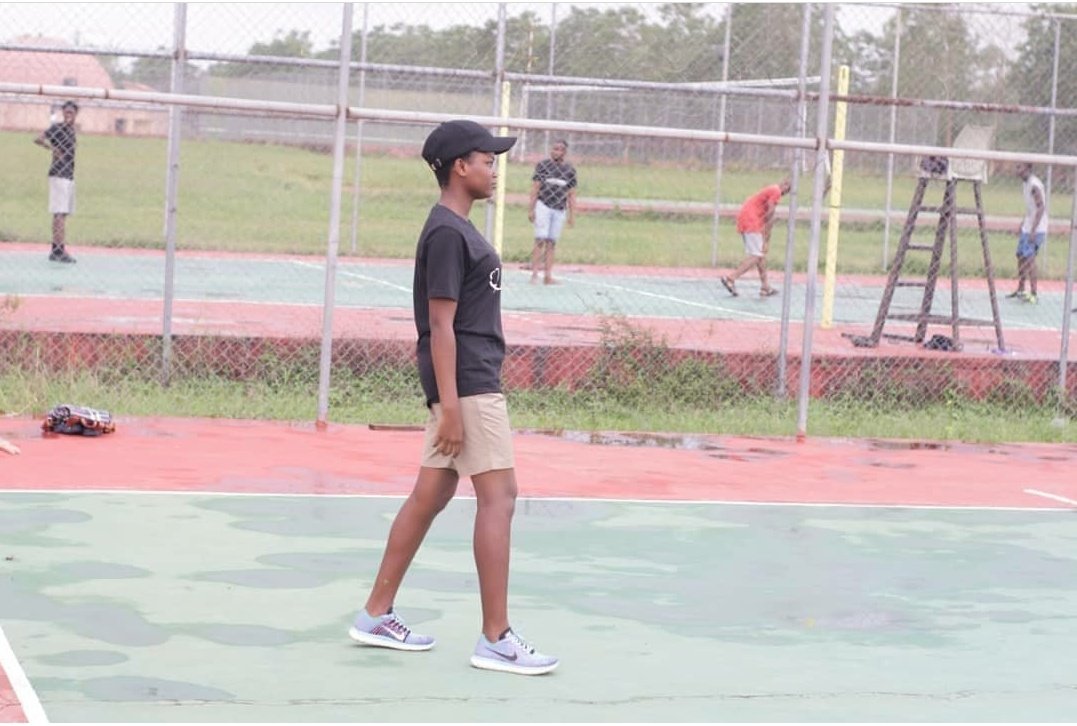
267,198
365,401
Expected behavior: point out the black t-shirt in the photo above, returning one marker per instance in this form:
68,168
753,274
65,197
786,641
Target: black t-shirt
555,180
454,261
62,139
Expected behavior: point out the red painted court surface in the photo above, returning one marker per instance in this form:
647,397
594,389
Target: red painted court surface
212,455
10,708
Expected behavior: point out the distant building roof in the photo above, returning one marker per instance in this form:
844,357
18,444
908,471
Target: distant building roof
54,69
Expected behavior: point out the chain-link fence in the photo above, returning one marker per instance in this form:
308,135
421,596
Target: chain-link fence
209,168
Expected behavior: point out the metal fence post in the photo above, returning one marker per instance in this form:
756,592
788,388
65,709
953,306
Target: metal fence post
721,147
791,225
359,130
893,137
1067,305
549,70
175,122
499,76
326,357
821,132
1051,137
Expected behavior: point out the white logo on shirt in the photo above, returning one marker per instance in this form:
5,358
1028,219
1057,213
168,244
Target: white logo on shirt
495,278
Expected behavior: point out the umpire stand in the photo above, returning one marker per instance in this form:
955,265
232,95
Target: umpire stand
934,170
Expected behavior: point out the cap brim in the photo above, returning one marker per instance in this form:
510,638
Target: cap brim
498,145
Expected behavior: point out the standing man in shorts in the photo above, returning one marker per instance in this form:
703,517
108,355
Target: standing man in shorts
60,139
754,222
553,196
457,301
1032,234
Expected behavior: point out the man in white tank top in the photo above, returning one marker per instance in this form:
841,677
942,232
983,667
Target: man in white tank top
1032,234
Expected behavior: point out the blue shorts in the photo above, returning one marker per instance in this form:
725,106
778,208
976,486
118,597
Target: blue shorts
1028,245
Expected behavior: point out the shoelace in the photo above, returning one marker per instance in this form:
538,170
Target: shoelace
397,626
520,642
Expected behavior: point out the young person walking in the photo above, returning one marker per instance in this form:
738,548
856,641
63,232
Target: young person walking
457,300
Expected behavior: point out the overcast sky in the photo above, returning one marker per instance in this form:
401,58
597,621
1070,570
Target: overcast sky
234,27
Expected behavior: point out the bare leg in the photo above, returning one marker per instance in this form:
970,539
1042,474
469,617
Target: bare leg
748,263
496,494
58,230
433,490
551,248
1032,274
763,273
1022,273
536,259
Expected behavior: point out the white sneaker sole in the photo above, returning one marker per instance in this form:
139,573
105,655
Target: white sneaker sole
490,664
379,641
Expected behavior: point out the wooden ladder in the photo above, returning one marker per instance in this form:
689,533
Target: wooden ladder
946,227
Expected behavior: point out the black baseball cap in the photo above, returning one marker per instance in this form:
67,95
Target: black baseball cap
458,137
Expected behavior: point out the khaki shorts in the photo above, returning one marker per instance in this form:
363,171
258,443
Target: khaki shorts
487,437
61,195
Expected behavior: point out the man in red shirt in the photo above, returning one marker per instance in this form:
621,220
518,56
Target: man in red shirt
754,222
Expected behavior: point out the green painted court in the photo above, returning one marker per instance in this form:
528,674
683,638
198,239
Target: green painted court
690,294
189,607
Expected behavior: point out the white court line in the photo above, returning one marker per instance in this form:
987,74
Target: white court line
31,706
570,500
358,276
671,298
1048,495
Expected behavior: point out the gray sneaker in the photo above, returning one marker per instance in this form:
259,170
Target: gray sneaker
387,631
511,654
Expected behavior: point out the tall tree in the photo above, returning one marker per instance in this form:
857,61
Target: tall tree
290,44
1031,73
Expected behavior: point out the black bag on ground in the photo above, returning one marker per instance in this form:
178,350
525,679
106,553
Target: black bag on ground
940,342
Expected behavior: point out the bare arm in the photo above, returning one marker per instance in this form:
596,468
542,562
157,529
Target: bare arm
42,141
1037,197
450,433
534,198
572,207
768,223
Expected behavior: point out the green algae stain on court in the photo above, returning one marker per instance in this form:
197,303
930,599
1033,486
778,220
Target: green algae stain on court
143,689
257,636
660,612
84,658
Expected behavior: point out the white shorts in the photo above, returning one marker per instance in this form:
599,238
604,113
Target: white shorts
487,437
548,222
753,243
61,195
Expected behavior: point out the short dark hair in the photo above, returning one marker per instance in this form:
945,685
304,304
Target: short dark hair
442,172
562,141
69,104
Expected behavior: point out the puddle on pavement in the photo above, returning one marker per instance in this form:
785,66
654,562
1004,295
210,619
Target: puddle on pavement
616,438
681,442
891,465
883,445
